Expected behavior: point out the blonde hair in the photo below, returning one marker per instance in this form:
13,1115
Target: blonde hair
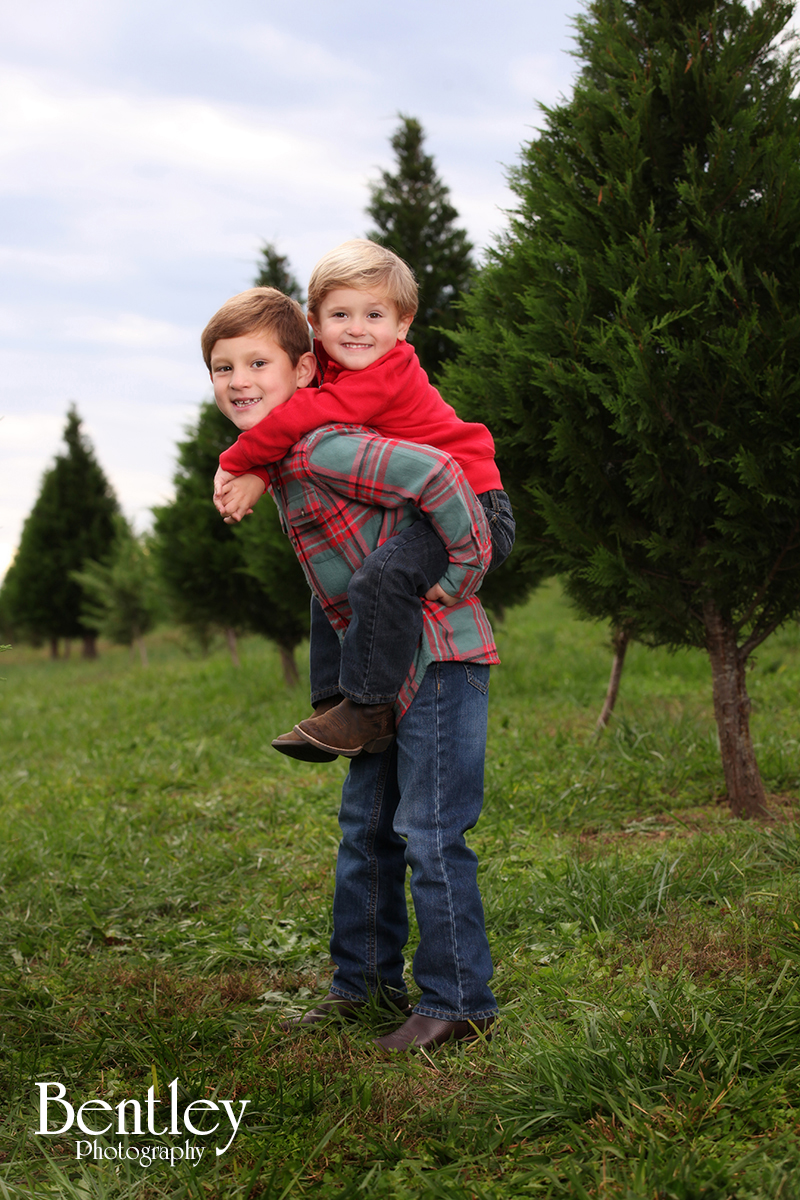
365,266
262,310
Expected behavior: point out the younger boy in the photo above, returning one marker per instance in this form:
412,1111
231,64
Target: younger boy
342,492
362,300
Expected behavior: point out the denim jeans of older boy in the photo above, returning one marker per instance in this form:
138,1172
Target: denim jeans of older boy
411,806
385,594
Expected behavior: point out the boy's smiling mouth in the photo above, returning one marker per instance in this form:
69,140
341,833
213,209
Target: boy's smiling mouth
246,401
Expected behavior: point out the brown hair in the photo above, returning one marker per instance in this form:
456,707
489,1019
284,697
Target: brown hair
259,309
365,266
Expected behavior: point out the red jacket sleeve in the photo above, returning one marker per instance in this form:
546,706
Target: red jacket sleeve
351,398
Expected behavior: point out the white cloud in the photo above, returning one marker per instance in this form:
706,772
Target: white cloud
294,58
38,433
127,329
58,265
539,78
73,31
78,136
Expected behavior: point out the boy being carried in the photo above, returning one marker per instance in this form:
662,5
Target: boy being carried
362,300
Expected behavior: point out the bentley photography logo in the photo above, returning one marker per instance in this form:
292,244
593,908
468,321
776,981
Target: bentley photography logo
133,1131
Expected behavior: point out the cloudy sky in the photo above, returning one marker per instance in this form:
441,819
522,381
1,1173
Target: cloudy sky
148,150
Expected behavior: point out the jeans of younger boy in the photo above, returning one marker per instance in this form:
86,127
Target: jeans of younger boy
385,596
412,805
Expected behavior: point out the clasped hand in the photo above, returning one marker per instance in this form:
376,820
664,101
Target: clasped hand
235,495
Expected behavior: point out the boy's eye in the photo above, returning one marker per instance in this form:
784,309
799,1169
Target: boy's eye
375,314
260,362
219,369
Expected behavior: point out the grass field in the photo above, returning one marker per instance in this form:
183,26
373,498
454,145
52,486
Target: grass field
166,892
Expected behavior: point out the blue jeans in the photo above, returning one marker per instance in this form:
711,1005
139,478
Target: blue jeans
412,805
385,596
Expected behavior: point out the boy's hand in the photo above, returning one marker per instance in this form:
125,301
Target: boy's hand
220,479
237,497
438,593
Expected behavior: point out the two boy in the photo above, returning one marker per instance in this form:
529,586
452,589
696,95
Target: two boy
345,493
362,299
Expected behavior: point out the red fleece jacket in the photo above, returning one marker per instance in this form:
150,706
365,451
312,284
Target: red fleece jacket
392,396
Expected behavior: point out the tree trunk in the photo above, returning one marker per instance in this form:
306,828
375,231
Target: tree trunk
54,647
290,673
142,648
230,638
732,711
619,641
89,649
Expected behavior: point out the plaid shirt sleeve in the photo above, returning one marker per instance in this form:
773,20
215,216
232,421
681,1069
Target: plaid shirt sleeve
380,472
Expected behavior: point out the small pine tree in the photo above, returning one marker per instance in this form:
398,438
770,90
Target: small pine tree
71,522
6,619
212,571
274,271
414,218
121,598
635,339
270,562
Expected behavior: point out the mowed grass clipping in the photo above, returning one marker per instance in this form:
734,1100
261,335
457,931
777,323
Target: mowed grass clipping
167,882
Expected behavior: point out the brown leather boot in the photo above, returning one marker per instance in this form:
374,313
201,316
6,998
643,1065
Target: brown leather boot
350,728
296,746
425,1033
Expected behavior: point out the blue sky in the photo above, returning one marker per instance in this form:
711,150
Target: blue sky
149,150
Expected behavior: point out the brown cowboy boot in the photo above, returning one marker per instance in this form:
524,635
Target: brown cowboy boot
425,1033
350,728
296,746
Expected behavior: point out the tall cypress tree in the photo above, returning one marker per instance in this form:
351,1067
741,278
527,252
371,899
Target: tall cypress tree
635,338
414,217
71,522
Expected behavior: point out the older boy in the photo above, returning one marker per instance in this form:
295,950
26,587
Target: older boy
341,492
362,300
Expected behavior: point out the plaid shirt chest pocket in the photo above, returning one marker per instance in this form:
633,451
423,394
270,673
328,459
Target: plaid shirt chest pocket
302,504
309,518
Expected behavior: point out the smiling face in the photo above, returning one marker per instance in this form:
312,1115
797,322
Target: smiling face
357,328
252,374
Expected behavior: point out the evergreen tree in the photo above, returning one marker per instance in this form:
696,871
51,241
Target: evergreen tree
9,626
414,217
634,340
71,522
121,598
270,562
6,622
274,271
212,580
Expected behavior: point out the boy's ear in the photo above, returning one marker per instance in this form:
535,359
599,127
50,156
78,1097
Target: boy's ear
306,369
404,326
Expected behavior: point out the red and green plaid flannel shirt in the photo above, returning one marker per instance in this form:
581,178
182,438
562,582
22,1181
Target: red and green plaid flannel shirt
343,490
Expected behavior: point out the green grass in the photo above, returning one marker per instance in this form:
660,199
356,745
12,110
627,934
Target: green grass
166,892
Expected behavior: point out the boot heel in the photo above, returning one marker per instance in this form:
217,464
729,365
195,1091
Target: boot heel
378,745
